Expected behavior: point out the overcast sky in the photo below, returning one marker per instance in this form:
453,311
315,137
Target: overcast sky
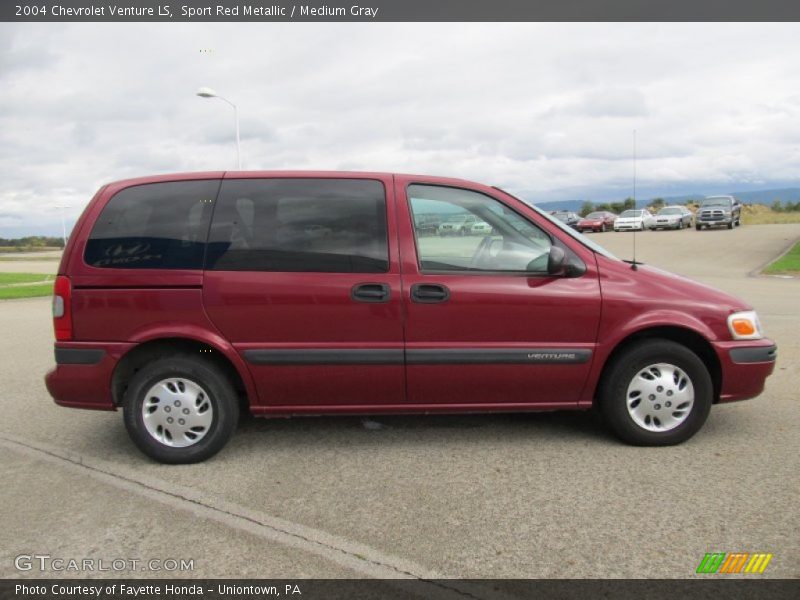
545,110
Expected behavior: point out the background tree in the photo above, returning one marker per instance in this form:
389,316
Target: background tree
586,208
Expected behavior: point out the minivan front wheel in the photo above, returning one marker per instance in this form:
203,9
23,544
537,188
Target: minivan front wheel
180,409
656,393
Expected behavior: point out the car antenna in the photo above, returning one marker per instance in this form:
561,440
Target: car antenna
633,262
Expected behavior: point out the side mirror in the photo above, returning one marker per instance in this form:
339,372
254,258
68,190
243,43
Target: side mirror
557,264
556,260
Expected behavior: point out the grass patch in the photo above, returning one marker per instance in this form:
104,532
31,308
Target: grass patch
15,285
26,291
758,214
13,278
788,264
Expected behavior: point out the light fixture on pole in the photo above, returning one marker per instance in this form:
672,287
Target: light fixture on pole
61,208
205,92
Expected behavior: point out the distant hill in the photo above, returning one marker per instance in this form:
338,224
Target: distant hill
766,197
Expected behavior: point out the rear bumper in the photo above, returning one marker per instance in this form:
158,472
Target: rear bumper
82,375
745,368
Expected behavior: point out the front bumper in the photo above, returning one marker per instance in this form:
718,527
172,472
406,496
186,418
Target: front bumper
667,225
83,373
745,367
714,221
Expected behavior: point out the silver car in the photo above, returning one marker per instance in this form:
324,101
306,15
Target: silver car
673,217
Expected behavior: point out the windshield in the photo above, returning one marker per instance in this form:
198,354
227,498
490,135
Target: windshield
631,213
594,215
670,211
724,202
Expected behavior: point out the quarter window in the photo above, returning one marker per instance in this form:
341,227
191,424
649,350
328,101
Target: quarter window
462,230
154,226
300,225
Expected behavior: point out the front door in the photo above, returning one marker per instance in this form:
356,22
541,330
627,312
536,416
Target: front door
302,278
486,326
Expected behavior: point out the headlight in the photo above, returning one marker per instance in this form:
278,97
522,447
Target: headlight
745,325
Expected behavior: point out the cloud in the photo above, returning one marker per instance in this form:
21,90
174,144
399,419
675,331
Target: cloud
545,110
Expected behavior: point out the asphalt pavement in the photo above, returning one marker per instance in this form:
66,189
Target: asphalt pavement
477,496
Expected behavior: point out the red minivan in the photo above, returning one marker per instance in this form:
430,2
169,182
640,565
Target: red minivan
182,298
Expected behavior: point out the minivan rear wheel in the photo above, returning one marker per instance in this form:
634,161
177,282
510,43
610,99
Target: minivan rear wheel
180,409
656,393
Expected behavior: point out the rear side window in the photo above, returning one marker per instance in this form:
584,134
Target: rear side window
300,225
154,226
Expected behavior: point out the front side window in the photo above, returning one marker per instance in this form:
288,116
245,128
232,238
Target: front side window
154,226
477,233
300,225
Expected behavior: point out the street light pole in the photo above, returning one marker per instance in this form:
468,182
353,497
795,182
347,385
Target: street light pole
63,224
205,92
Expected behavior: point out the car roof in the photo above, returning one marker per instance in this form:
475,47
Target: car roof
199,175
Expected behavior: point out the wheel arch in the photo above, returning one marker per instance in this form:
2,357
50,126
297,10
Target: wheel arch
153,349
681,335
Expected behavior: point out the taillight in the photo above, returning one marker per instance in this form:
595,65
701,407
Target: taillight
62,308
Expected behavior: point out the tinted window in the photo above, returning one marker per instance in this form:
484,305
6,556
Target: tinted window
309,225
154,226
493,238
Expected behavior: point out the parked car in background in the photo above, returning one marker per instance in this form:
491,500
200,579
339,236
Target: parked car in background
567,217
426,225
673,217
601,220
457,225
183,299
718,210
634,220
481,228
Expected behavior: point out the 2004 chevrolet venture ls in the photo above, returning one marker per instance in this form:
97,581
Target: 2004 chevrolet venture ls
182,298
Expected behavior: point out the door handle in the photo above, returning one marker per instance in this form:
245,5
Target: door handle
429,293
371,292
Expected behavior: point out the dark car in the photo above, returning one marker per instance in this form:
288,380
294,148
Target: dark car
601,220
567,217
716,211
182,298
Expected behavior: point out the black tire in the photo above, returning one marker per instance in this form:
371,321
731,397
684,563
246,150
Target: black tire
730,225
698,227
613,392
221,396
